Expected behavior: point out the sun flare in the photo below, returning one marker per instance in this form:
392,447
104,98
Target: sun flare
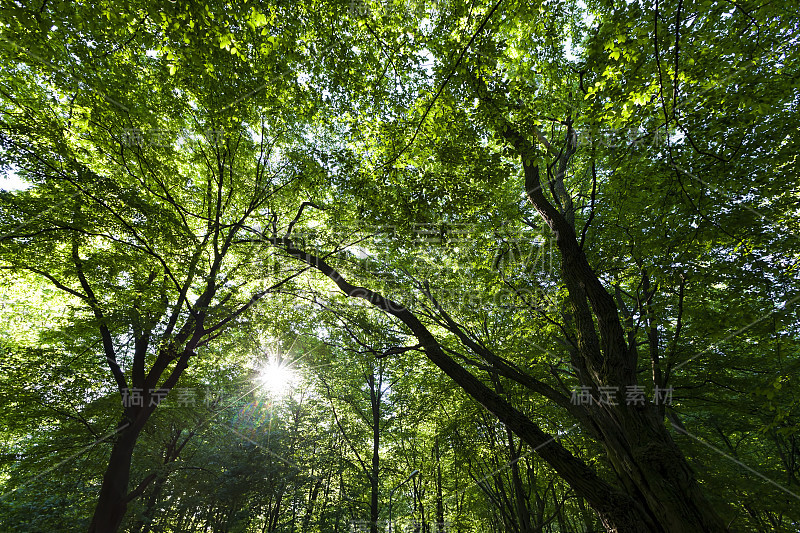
276,377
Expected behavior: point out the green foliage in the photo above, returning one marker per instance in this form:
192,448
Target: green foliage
167,148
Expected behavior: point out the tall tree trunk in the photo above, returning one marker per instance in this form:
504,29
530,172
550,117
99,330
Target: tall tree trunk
651,466
114,497
172,451
520,498
275,513
145,522
312,500
641,450
520,506
375,401
440,526
112,502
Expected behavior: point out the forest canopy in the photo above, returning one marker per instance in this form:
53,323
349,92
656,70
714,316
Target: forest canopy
433,266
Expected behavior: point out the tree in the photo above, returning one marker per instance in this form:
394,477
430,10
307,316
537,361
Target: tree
139,230
573,211
605,314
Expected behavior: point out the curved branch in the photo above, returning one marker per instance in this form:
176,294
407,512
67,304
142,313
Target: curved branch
604,498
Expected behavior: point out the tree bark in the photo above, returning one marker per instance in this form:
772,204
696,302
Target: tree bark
375,403
113,500
641,450
440,526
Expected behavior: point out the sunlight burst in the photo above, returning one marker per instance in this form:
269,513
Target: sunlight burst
276,377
